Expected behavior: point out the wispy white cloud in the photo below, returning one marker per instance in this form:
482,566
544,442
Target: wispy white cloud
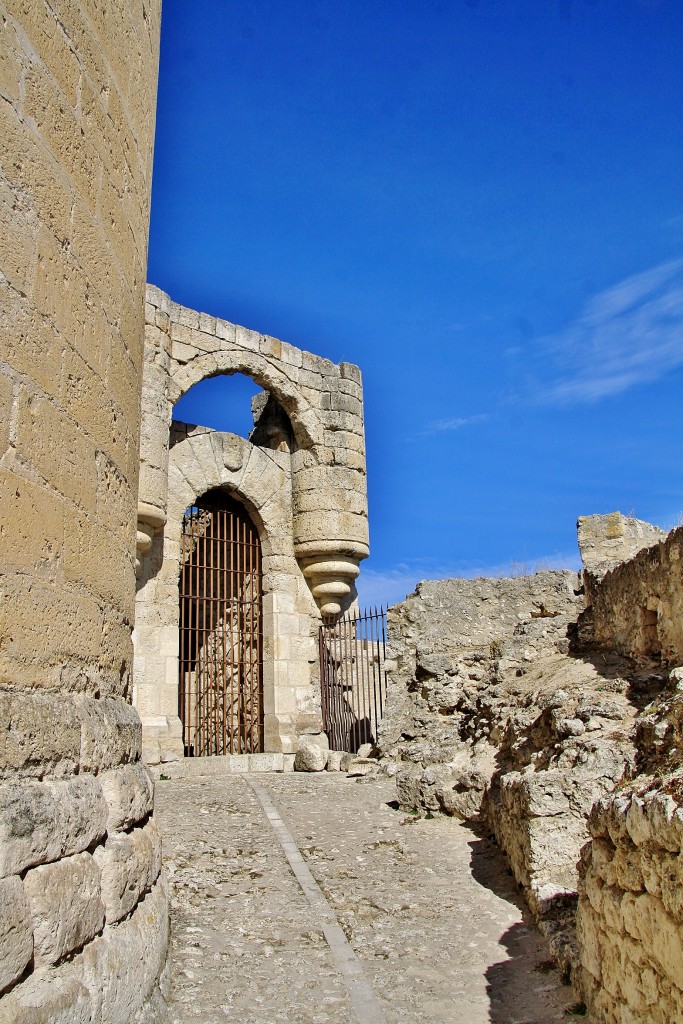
447,425
627,335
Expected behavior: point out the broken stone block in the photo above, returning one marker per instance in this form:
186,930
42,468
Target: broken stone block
312,754
129,863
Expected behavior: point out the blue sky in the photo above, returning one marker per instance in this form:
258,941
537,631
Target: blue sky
480,202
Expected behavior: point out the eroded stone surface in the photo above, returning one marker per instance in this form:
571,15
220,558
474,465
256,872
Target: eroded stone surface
494,714
129,864
40,822
426,904
605,541
119,978
16,932
129,792
66,905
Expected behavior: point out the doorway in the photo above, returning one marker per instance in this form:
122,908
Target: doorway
220,663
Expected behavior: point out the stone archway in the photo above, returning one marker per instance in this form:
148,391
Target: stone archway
324,404
200,461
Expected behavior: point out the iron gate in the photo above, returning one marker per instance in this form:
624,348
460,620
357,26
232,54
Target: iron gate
221,690
353,678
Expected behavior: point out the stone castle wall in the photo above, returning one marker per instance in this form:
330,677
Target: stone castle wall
630,914
492,715
83,912
637,607
560,727
630,919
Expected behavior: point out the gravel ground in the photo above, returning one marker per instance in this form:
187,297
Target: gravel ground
428,907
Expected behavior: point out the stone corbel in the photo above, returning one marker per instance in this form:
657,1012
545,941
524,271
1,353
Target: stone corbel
150,519
330,573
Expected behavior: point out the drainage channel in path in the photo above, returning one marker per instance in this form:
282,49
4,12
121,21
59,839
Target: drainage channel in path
301,899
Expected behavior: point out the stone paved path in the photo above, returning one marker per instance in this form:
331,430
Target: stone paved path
426,905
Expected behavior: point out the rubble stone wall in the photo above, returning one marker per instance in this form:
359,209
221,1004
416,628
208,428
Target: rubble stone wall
560,728
83,908
630,917
492,716
637,607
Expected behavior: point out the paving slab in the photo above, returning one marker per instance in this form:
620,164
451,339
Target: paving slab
431,918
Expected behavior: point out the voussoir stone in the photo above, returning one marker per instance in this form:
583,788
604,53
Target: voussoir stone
66,905
16,932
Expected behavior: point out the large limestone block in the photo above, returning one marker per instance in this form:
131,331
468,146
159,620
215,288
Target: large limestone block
122,967
57,998
16,933
41,822
129,792
111,734
129,863
66,906
312,754
39,732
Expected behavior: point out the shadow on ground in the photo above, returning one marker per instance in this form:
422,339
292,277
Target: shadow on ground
514,985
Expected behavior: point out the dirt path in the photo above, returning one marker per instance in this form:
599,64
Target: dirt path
427,908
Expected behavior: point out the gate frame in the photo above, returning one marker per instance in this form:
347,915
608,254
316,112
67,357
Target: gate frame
200,461
230,567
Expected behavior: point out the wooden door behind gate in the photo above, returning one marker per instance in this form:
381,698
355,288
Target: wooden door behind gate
221,690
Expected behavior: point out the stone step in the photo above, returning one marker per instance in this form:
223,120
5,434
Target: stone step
227,764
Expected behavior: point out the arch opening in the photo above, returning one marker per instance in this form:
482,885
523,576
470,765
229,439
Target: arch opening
222,402
287,393
235,404
220,629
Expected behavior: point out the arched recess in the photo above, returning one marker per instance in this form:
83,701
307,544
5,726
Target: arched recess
306,419
261,481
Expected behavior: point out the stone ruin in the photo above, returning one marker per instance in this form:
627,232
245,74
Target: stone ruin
546,709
